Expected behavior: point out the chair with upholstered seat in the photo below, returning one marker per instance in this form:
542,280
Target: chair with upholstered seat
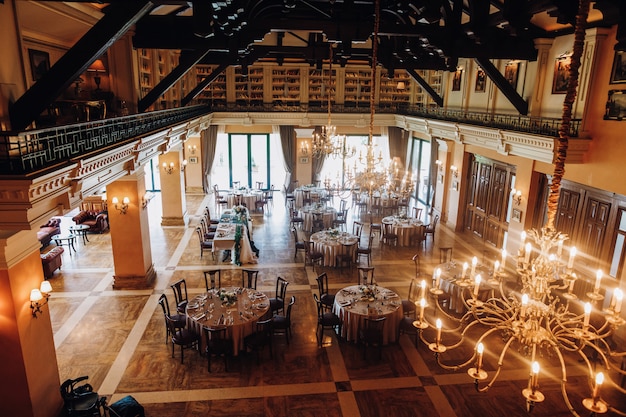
417,213
326,320
79,400
217,344
213,279
388,234
262,337
346,257
365,250
180,320
277,303
282,323
220,201
431,228
205,244
408,305
180,294
357,229
372,334
416,262
312,256
249,278
186,338
326,298
207,216
376,228
365,275
445,254
294,218
299,245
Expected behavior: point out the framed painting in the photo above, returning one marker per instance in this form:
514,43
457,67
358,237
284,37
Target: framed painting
481,81
516,215
193,159
615,105
561,75
456,80
510,73
618,73
39,63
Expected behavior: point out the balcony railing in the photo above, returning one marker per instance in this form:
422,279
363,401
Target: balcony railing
39,150
36,150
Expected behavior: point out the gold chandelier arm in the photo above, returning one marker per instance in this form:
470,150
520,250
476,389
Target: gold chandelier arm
500,363
568,404
471,359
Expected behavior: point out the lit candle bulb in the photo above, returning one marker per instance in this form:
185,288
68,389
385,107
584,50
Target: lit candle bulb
524,305
437,277
496,267
422,306
596,287
571,284
423,288
619,295
465,266
474,262
476,285
534,378
572,255
522,238
479,362
596,387
438,324
503,261
587,315
527,249
559,248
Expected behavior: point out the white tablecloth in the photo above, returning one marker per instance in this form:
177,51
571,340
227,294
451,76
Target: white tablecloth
225,239
405,228
331,244
316,194
352,307
249,198
451,273
308,214
206,310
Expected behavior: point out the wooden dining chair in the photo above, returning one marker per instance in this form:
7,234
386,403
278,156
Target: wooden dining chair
249,278
365,250
180,320
180,294
186,338
277,303
213,279
417,213
389,235
408,305
312,256
282,323
262,337
217,343
326,320
205,244
371,334
326,298
365,275
445,254
299,245
416,261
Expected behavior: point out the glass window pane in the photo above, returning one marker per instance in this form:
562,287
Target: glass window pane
424,188
220,173
617,255
258,145
239,152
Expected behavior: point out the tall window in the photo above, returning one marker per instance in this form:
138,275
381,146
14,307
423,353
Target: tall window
248,159
420,164
153,180
336,167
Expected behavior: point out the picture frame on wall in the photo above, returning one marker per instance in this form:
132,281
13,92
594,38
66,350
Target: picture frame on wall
39,63
456,80
618,73
516,215
561,75
481,81
304,159
510,73
193,159
615,108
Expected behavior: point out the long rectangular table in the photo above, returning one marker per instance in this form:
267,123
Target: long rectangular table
225,237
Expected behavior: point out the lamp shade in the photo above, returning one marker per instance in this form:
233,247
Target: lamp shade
97,66
45,287
35,295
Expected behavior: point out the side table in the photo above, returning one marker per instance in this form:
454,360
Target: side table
65,239
80,230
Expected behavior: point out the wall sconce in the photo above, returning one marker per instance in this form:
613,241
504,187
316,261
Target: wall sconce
121,207
455,171
516,196
192,149
183,166
304,148
97,67
439,165
168,168
37,295
145,200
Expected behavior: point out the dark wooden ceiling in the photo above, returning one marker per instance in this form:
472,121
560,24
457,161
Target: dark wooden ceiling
420,34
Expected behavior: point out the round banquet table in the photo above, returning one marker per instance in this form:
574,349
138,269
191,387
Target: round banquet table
328,214
406,228
207,310
352,307
331,243
249,198
316,194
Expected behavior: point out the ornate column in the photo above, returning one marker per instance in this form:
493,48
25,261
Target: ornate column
29,363
544,67
130,232
173,189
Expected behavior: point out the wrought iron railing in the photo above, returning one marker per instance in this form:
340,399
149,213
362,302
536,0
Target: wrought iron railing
36,150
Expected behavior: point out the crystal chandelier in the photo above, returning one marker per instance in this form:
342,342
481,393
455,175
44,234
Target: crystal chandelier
536,317
327,142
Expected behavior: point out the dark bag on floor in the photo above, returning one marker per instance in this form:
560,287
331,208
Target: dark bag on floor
126,407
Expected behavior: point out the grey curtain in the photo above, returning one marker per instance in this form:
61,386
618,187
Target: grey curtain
288,141
208,143
318,163
398,143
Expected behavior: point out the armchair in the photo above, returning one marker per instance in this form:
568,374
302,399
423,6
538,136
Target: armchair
98,222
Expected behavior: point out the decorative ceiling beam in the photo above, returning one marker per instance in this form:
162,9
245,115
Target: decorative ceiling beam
431,92
119,18
503,85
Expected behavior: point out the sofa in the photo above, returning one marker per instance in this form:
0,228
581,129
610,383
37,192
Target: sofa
51,261
46,231
98,221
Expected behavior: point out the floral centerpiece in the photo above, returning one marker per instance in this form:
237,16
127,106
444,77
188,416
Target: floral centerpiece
332,233
229,298
368,292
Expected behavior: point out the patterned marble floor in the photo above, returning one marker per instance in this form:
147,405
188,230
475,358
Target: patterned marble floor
117,338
